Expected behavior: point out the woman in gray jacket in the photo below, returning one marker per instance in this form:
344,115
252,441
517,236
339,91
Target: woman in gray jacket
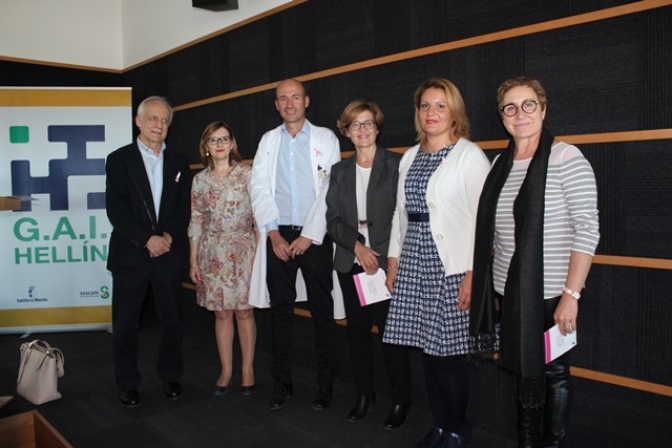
360,204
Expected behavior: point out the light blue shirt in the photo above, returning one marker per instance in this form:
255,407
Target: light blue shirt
294,194
154,169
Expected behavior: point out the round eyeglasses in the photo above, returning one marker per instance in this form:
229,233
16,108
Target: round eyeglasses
366,124
511,110
219,140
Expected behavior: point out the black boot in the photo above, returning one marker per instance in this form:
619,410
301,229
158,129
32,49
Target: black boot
364,404
529,427
557,402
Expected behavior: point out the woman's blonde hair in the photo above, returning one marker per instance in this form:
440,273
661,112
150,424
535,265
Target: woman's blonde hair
458,111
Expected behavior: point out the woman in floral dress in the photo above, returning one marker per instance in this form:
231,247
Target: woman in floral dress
222,244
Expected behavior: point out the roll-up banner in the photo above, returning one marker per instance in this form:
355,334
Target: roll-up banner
53,251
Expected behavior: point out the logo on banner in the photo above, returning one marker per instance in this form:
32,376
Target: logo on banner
102,293
72,238
75,164
32,297
53,146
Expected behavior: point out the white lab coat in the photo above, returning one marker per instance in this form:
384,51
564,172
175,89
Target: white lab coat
324,152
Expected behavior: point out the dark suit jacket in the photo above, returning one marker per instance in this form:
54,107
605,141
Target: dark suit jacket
130,209
381,197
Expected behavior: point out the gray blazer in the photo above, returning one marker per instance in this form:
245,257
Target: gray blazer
342,220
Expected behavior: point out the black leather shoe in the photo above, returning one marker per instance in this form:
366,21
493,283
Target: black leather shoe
324,397
455,440
363,404
130,398
172,391
248,390
397,416
281,392
434,438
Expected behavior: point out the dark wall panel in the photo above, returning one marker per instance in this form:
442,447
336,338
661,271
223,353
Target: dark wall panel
623,323
17,74
595,74
320,35
634,182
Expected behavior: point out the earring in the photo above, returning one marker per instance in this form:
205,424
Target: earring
207,154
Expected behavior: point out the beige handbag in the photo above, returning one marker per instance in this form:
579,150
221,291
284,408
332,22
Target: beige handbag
41,366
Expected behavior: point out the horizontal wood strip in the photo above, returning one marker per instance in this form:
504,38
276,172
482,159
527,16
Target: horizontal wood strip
633,262
579,19
577,139
631,8
654,388
227,96
597,138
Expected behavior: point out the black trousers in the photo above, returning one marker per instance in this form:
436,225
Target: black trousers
129,292
447,379
316,267
360,343
545,426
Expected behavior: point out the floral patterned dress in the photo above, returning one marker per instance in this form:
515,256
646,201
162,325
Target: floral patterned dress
223,224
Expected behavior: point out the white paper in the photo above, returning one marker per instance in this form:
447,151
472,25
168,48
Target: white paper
557,344
371,288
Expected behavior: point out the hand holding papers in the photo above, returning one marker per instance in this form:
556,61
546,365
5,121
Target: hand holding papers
371,288
557,344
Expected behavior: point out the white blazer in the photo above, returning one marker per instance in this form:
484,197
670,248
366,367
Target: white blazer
324,152
452,198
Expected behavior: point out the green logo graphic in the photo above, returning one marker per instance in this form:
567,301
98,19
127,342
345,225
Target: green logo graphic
104,292
19,134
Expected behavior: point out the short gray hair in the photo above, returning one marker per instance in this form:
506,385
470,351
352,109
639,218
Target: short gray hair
141,107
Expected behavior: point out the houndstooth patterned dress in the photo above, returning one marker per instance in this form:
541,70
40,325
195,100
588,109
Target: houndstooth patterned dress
423,311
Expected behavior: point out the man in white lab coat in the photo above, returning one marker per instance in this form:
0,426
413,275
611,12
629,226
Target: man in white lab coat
290,175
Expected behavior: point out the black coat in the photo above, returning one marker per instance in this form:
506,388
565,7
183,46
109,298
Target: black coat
130,209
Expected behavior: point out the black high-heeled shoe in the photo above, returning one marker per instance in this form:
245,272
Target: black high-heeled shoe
223,390
363,404
397,416
248,390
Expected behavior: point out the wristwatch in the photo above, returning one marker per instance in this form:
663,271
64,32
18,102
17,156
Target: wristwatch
574,294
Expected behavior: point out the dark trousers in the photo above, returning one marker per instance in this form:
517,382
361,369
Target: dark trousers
360,320
447,379
316,267
129,292
546,426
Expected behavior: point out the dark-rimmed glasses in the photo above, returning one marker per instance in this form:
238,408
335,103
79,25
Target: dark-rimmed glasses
511,110
366,124
219,140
